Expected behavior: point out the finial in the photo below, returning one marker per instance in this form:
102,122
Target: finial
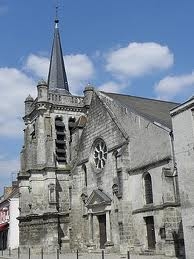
29,99
42,82
56,15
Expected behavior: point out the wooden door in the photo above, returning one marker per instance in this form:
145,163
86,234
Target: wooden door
3,240
150,232
102,230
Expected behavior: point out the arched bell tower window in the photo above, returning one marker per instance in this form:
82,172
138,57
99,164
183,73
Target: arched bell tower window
148,188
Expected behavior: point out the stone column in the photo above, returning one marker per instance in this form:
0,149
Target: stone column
90,227
108,230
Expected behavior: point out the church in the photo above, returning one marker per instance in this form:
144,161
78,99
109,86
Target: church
98,171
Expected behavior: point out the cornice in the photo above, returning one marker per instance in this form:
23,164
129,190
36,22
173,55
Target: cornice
152,207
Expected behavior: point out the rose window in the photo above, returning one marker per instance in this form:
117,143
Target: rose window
100,154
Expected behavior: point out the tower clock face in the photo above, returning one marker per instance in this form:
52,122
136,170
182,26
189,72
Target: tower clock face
100,154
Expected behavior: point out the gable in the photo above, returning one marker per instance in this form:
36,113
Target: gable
143,134
101,123
97,198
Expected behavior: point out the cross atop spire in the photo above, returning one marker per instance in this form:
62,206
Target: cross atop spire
57,78
56,16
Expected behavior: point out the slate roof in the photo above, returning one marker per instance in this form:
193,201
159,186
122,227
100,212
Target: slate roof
151,109
57,78
13,194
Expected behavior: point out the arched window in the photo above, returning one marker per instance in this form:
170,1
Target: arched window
148,188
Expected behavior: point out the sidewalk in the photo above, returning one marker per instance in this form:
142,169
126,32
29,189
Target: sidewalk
80,256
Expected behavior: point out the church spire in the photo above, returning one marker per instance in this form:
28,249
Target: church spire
57,78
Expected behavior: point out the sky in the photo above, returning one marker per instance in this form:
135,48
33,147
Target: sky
136,47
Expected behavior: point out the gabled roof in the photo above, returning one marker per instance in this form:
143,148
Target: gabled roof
57,78
151,109
13,194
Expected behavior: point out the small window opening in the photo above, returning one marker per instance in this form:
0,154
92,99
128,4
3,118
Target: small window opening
70,197
120,182
121,230
148,188
71,125
33,133
85,175
52,193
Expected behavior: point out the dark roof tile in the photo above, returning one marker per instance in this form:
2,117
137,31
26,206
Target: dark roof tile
151,109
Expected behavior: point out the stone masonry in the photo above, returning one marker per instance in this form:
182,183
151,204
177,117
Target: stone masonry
98,172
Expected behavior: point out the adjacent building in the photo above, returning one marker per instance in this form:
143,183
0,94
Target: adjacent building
183,128
9,211
98,171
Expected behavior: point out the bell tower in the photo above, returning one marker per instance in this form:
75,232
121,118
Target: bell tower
47,158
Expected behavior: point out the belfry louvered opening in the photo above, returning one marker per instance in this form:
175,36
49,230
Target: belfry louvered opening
60,141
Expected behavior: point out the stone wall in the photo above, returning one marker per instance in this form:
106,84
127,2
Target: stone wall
148,148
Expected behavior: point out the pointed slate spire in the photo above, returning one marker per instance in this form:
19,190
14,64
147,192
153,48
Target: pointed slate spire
57,78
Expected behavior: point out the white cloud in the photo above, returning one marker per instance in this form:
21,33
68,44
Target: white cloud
15,87
111,87
2,156
37,65
170,86
138,59
7,168
79,69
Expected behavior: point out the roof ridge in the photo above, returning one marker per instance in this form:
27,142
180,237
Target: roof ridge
140,97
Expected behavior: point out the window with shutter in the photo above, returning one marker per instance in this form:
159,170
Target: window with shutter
60,140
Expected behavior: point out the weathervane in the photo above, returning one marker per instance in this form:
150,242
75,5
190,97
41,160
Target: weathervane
56,14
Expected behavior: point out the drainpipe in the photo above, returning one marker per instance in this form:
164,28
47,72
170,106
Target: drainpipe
175,175
174,166
58,211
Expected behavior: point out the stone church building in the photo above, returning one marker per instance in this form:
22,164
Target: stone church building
98,171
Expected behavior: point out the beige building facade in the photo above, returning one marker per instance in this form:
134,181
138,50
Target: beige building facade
182,118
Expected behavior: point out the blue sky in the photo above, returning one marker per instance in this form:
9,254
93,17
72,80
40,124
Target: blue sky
137,47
